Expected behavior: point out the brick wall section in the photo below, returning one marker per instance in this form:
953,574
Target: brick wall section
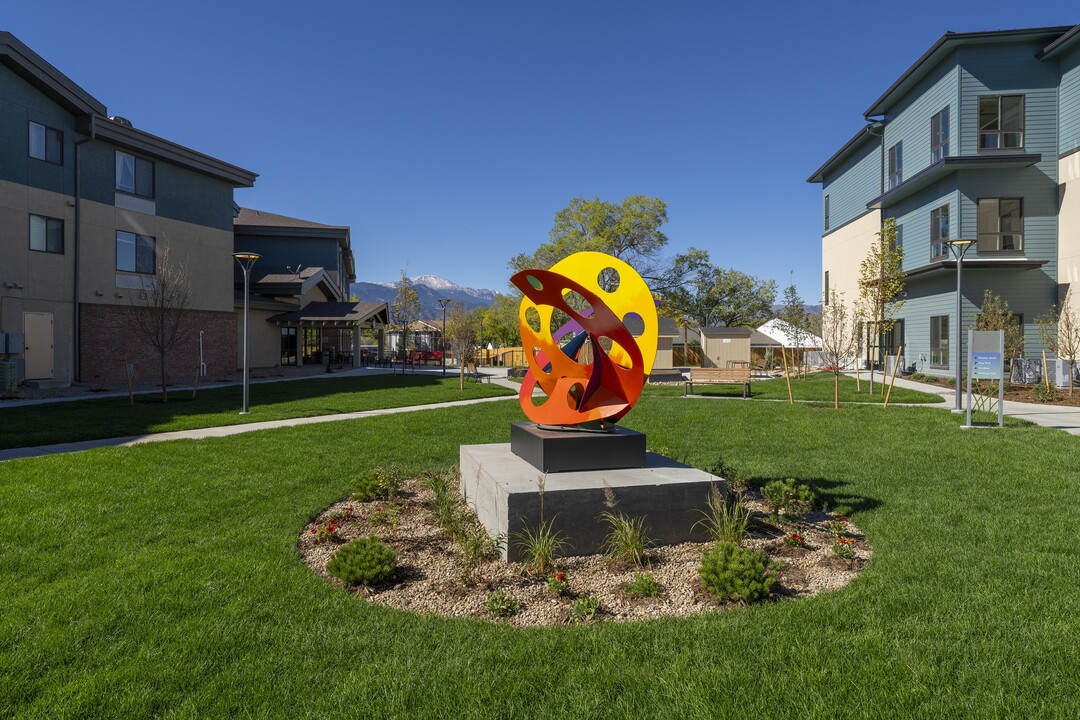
107,336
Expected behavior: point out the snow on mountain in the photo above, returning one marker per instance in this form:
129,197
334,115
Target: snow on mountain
429,288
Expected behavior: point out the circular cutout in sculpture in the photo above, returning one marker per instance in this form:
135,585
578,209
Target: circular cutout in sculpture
585,382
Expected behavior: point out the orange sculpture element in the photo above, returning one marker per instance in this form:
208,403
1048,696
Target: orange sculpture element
607,387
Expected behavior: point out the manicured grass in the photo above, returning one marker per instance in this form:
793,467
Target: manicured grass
816,387
50,423
164,579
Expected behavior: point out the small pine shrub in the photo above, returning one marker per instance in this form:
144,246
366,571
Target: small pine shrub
643,585
500,603
731,573
584,609
378,484
627,540
793,498
1044,394
364,561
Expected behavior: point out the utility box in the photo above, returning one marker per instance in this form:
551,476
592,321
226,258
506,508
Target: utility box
1060,373
9,376
12,344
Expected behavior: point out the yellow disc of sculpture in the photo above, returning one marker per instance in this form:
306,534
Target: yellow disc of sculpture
592,368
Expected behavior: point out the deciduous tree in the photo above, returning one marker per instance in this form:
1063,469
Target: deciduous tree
793,317
839,332
161,310
405,310
994,315
1059,331
462,332
714,295
881,280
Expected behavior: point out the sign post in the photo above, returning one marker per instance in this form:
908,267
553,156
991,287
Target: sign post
986,353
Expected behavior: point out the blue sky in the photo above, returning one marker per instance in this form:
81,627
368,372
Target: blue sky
447,135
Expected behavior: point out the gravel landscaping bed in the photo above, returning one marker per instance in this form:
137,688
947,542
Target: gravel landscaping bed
429,566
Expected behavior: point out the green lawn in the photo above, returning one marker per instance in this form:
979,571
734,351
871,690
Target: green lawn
50,423
164,579
817,387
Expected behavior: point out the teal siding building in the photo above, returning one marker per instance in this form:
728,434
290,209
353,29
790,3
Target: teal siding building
979,140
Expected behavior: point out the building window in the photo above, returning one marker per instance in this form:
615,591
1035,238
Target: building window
46,143
896,165
1001,225
46,234
312,346
939,341
134,253
939,231
826,212
939,135
825,300
1001,122
134,175
288,346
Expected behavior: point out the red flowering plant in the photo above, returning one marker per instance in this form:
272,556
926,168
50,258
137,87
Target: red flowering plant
794,540
559,583
325,530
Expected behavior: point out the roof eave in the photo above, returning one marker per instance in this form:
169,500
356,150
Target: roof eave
157,147
56,85
818,176
1061,44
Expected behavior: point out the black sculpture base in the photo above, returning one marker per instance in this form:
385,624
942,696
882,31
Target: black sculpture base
568,451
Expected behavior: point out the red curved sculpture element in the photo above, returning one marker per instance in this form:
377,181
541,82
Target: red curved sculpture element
577,393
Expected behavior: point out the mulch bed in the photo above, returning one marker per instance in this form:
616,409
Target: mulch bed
428,578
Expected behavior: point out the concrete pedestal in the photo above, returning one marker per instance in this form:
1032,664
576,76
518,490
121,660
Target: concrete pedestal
504,490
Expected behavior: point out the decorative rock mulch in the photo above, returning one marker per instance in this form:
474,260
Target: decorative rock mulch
428,577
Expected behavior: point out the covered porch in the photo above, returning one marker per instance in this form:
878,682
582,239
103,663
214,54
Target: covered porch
331,333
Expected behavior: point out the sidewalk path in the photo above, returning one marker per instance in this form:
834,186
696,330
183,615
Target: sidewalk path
1060,417
226,430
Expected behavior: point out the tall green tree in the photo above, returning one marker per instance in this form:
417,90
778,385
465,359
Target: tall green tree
629,230
881,279
404,311
714,295
501,321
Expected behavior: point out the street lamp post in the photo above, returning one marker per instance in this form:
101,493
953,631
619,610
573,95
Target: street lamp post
246,260
959,248
443,302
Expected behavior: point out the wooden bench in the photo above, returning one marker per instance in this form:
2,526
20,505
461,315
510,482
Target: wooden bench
472,372
718,376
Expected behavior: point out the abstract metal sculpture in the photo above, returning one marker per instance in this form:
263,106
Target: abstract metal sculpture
601,295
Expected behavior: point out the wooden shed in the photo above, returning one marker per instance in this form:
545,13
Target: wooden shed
725,347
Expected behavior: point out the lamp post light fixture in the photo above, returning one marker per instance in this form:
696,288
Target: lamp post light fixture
246,260
959,248
443,302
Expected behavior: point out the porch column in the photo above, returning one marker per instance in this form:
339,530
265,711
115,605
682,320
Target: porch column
299,343
382,343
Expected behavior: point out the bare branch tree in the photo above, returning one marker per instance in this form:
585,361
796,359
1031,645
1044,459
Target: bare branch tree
1059,331
462,330
839,332
161,310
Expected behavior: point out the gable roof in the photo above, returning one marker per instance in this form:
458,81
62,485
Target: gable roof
945,45
260,218
276,281
779,331
335,312
259,222
54,84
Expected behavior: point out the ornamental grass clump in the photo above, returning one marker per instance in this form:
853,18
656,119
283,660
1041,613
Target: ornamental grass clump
726,519
540,546
364,561
731,573
627,540
643,585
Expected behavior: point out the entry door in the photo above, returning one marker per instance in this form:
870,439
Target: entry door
38,345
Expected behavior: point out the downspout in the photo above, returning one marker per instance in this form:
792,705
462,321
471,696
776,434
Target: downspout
78,204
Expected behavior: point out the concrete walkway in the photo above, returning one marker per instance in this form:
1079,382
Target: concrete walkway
1052,416
498,377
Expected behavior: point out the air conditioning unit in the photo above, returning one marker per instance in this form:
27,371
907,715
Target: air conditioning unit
9,376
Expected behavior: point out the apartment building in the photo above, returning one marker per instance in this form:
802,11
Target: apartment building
979,139
88,206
